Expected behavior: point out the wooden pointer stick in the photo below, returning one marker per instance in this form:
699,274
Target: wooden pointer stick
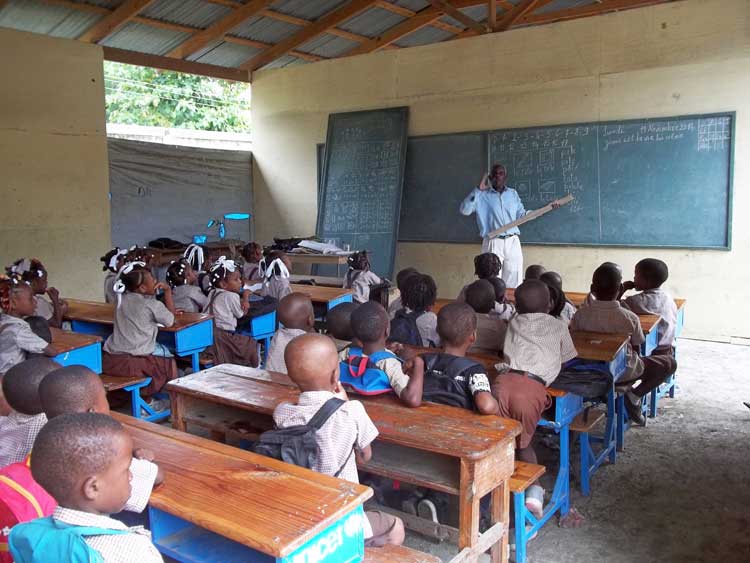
531,215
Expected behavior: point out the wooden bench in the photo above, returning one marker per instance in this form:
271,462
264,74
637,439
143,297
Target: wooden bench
583,424
393,553
524,475
114,383
133,385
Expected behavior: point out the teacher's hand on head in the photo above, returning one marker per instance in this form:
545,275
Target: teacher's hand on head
484,184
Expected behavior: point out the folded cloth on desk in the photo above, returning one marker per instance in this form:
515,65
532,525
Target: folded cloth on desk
254,287
322,247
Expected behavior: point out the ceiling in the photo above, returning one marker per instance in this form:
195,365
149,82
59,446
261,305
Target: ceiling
231,38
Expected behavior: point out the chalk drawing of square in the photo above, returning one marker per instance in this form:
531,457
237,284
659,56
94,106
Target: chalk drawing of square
547,157
522,161
547,188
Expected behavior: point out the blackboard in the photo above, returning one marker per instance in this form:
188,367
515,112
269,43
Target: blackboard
663,182
361,183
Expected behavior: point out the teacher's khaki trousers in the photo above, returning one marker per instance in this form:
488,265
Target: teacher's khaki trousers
509,251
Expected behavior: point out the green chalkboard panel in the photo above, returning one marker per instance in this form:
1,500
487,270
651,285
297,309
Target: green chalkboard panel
663,182
361,183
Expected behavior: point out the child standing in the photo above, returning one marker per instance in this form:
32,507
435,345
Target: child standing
416,324
186,295
32,272
653,299
226,306
88,489
536,346
17,339
21,389
297,318
605,314
275,270
491,328
131,350
359,278
345,438
113,261
376,369
450,377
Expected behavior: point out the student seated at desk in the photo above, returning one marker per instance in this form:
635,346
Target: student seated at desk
21,389
186,294
339,328
226,306
275,270
416,324
503,308
296,318
536,346
590,296
88,488
491,328
534,272
131,350
397,304
359,278
252,253
201,261
113,261
605,314
487,266
32,272
450,377
564,309
20,337
374,369
345,438
653,299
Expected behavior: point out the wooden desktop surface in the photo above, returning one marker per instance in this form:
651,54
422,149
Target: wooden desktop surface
104,313
259,502
65,341
320,294
597,346
434,428
300,258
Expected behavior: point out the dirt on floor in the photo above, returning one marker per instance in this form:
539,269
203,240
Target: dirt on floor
680,490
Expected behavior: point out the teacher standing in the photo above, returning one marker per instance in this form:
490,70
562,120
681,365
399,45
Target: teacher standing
497,205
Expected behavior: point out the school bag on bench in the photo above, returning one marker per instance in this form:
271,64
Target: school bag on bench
443,386
45,539
21,499
361,374
297,444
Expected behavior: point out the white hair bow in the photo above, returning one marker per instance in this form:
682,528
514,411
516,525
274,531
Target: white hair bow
223,262
276,267
119,287
116,256
194,254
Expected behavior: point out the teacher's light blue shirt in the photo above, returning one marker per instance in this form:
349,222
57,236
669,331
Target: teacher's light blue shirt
494,209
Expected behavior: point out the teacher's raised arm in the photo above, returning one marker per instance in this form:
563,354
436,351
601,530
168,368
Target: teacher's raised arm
496,205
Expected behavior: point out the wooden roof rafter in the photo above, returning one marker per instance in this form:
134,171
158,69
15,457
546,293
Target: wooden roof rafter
114,20
459,16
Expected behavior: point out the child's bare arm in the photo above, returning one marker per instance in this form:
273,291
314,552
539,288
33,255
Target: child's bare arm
486,403
411,396
50,351
168,300
364,455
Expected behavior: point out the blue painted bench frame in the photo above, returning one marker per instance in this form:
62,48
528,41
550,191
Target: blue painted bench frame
342,542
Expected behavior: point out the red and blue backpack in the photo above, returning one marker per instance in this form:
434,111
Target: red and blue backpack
361,374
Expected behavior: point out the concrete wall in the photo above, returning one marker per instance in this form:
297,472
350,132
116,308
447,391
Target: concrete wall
685,57
53,159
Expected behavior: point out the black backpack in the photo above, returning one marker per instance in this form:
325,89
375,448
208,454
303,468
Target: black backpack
404,328
441,386
297,444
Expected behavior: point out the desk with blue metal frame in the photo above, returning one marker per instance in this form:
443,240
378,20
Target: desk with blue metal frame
220,503
190,334
77,349
329,296
669,386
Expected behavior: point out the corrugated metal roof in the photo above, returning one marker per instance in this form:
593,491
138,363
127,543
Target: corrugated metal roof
424,36
328,46
47,19
372,22
152,40
413,5
104,3
265,29
194,13
227,54
557,5
305,9
477,13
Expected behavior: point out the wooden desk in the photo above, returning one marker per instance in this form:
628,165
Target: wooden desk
457,451
190,334
324,281
77,349
649,325
330,296
219,503
311,258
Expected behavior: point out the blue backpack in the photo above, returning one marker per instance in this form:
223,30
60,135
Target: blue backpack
404,328
360,373
45,539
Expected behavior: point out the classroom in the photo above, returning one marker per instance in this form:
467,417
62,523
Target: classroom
400,128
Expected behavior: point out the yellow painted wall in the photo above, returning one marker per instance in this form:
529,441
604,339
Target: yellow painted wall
686,57
53,159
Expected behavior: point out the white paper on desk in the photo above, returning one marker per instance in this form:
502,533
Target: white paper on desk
322,247
255,287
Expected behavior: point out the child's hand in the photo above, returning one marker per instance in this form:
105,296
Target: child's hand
165,287
143,453
340,392
54,294
484,184
414,363
395,347
628,285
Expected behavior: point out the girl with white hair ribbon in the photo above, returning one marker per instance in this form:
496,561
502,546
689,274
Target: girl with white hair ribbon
113,261
275,271
47,302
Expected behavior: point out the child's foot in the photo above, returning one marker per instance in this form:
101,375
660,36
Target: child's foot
535,501
633,406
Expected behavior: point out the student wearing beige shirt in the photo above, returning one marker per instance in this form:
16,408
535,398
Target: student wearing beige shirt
297,318
491,328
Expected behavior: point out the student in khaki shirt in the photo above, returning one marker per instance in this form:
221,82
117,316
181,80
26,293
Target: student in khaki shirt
491,328
297,318
605,314
536,345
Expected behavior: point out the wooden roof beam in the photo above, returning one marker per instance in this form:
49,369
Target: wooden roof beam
459,16
322,25
421,19
521,9
114,21
600,8
492,14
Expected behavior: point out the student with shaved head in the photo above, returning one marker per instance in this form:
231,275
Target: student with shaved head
345,438
297,318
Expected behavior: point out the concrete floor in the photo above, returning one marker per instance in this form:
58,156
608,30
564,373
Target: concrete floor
680,492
